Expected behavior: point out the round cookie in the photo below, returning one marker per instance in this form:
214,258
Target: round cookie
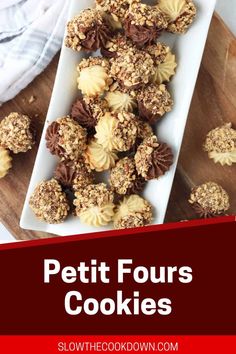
133,211
153,159
114,11
124,179
221,145
153,102
115,45
87,31
88,110
66,138
180,13
132,68
94,76
120,99
5,162
15,133
209,200
98,158
73,174
94,205
49,202
164,62
117,131
144,23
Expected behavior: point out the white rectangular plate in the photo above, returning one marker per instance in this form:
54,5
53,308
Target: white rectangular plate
189,50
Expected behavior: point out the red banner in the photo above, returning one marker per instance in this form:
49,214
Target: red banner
125,344
205,304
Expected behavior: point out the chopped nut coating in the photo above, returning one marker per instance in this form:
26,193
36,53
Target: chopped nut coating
49,203
15,133
209,199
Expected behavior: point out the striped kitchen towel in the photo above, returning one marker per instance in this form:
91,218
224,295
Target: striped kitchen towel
31,33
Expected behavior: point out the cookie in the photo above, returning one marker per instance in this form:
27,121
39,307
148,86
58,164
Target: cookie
209,200
221,145
133,211
153,159
49,202
16,134
94,205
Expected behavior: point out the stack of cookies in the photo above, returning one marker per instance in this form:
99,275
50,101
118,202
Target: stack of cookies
122,94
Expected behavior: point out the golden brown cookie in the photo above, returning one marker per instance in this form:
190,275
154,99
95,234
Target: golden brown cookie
87,31
94,205
124,179
119,99
132,68
98,158
133,211
117,131
5,162
181,14
49,202
66,138
153,159
154,101
15,133
94,78
221,145
209,200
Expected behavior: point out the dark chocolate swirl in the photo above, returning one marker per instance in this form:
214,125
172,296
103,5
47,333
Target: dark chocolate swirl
107,53
137,186
52,139
147,115
161,160
205,213
82,113
96,37
65,173
140,35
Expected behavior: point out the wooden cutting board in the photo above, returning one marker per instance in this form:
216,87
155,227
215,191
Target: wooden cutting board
214,103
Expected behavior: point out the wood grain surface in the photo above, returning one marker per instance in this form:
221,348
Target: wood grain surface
214,103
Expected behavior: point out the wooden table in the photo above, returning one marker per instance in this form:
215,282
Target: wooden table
214,103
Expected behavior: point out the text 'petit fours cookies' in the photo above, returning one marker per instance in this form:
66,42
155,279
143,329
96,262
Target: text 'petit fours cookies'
94,205
180,13
133,211
5,162
16,134
87,31
66,139
144,23
209,200
94,76
221,145
49,202
124,179
153,159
